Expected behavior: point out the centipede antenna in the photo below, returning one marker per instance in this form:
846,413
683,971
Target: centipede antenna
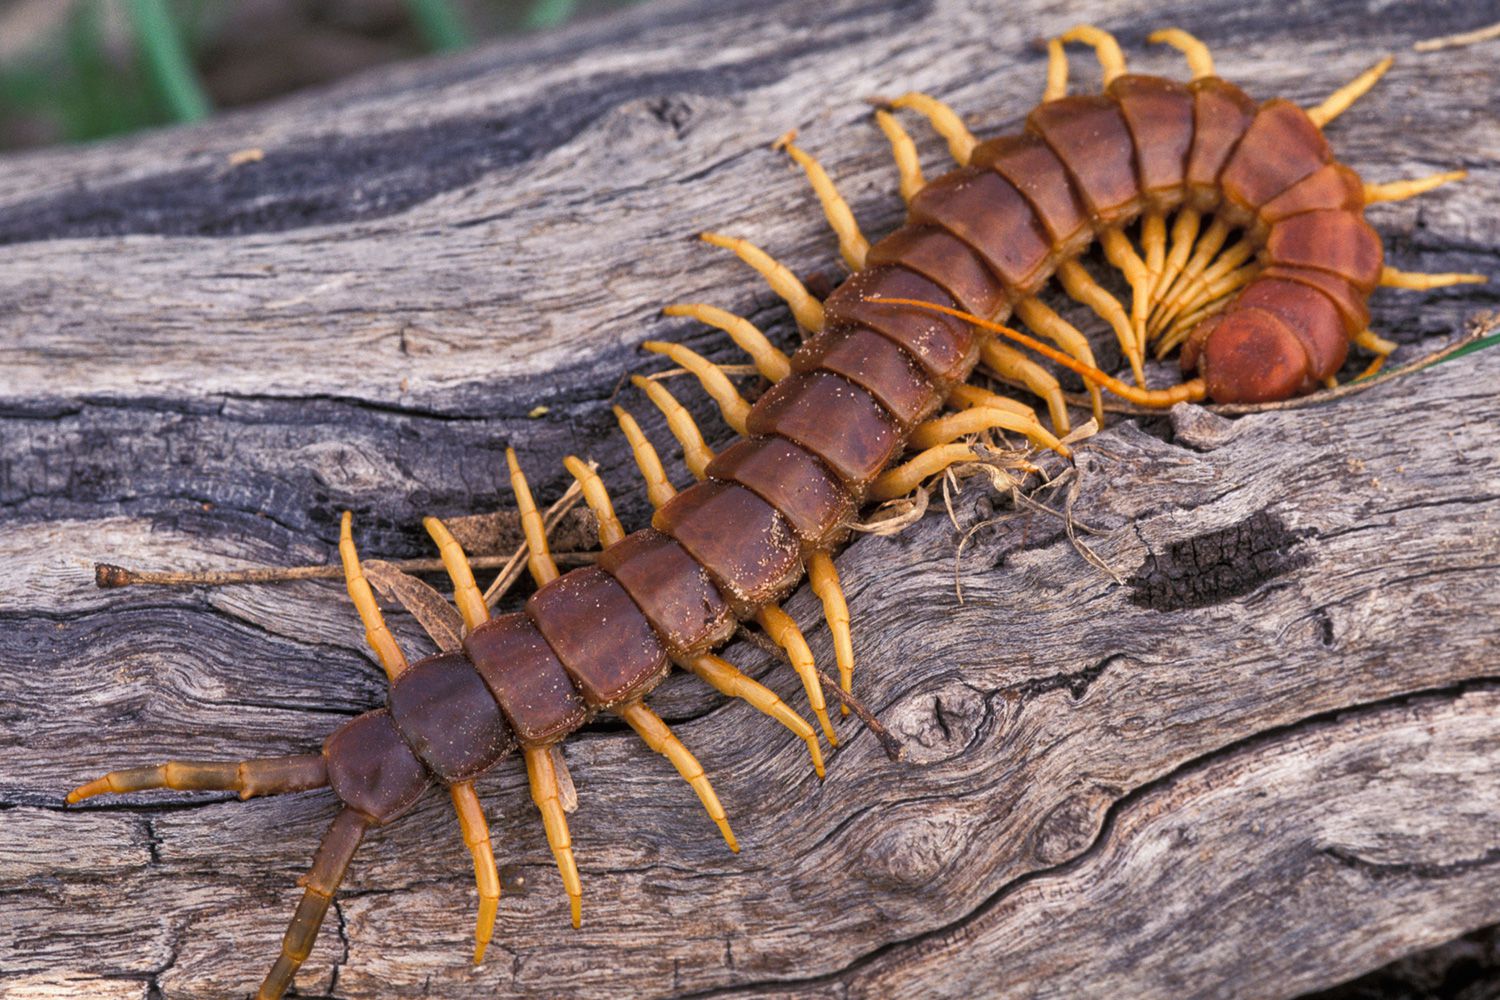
1011,364
977,419
824,579
852,243
732,406
466,592
944,120
772,364
1186,392
728,680
784,632
541,772
904,152
807,310
261,776
1410,188
1111,59
328,868
649,727
1044,320
1339,101
1057,71
913,472
476,832
659,488
1200,61
1081,286
539,559
1421,282
696,454
379,637
597,497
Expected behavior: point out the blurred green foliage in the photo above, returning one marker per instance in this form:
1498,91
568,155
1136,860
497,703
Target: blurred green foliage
103,67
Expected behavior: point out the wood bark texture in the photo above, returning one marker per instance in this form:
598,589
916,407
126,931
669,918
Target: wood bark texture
1266,762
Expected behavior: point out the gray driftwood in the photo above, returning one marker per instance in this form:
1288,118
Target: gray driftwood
1265,763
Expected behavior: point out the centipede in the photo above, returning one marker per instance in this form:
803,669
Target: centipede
1244,245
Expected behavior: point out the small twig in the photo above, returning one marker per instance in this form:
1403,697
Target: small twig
108,575
1455,41
892,746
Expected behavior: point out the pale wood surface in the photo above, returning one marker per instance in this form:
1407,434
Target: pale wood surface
1268,762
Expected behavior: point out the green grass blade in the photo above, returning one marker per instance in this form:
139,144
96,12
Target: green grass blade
167,59
439,24
550,13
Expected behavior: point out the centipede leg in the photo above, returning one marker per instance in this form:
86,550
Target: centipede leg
824,579
807,310
1106,49
978,419
913,472
904,151
1411,187
1210,242
659,488
1154,245
539,554
1081,286
944,121
1009,363
1057,71
969,397
597,497
1376,345
1200,61
261,776
1184,235
660,738
476,833
466,593
1122,255
1215,281
1339,101
785,633
732,406
728,680
328,868
852,243
376,633
1421,282
1041,318
696,454
541,771
772,364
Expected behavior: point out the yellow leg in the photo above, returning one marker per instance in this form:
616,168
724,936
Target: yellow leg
1339,101
1080,285
1041,318
1376,345
978,419
1200,61
659,489
542,773
1111,59
768,359
967,397
1184,235
731,404
695,453
852,243
824,579
659,738
945,122
1402,190
1417,281
376,633
1129,263
1154,243
1184,326
807,310
597,497
1209,243
905,153
466,593
539,554
785,633
477,838
1215,296
1204,288
728,680
1010,363
914,472
1057,71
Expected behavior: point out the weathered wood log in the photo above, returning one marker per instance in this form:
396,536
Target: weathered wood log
1266,762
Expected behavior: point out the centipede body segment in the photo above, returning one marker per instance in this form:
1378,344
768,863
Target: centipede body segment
1251,253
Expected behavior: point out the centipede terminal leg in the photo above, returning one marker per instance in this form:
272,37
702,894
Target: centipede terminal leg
732,406
660,738
852,243
541,772
727,679
785,633
768,359
696,453
260,776
807,310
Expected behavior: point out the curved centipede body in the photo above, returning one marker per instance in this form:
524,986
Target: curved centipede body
1268,317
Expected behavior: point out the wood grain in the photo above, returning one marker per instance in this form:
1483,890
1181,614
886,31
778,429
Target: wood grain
1267,762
